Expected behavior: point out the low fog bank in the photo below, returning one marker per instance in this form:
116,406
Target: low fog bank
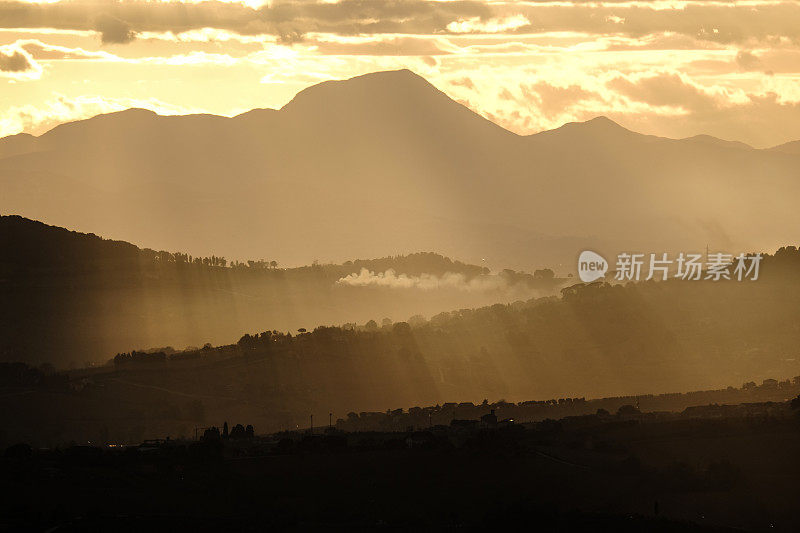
499,284
449,280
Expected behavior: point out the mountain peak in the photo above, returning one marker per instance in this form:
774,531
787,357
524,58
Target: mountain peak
371,102
105,123
708,139
132,113
602,122
398,74
597,127
383,84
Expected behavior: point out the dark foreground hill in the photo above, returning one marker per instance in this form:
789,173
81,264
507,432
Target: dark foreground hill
630,472
386,164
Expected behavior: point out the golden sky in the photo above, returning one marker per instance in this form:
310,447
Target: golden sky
673,68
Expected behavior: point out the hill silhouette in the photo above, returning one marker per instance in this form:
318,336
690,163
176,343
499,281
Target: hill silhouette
386,164
71,298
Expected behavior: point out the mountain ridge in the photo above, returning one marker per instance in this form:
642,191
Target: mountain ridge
403,75
385,164
791,147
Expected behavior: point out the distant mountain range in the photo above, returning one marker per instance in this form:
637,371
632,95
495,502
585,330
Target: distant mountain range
385,164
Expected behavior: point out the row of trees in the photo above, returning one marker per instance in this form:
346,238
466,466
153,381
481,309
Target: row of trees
213,261
238,432
135,357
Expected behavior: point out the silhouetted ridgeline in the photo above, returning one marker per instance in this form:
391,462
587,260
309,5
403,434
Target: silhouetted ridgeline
49,254
70,298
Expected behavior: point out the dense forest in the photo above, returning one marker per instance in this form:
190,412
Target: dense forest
71,298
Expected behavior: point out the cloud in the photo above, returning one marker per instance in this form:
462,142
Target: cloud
37,50
17,63
48,52
554,99
37,119
666,89
290,20
748,61
449,280
463,82
291,37
493,25
113,30
119,22
381,46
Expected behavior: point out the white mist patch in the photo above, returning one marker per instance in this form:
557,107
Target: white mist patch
448,280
